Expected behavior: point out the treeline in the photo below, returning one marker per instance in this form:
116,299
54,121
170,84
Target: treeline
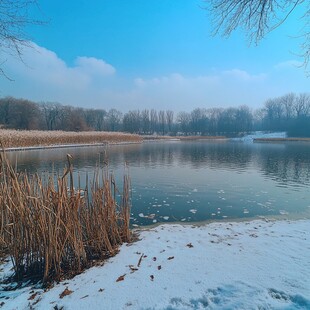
290,113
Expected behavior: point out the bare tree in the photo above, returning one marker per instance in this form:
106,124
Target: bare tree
257,18
14,18
184,119
162,121
302,105
169,117
145,119
153,121
288,101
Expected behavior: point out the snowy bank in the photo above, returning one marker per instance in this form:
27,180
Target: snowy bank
246,265
260,134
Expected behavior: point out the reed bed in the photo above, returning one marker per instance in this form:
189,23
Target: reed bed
52,230
28,138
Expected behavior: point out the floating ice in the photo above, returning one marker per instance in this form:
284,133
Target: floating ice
141,214
193,211
283,212
166,218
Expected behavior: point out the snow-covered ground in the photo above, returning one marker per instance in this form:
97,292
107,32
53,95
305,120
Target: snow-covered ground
260,264
261,134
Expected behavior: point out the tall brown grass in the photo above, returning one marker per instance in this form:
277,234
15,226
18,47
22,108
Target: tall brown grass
51,229
27,138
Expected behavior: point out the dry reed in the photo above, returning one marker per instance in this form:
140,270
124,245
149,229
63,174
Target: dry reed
28,138
52,230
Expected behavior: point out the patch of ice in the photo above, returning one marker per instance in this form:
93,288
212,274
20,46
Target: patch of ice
283,212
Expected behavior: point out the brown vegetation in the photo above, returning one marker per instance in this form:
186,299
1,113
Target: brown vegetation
24,138
51,229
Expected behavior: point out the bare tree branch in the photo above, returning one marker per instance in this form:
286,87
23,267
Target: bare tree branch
257,18
14,18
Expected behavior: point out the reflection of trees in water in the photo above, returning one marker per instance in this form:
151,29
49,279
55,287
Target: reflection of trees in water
285,163
195,154
216,155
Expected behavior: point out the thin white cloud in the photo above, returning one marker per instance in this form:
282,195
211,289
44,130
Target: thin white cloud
289,64
244,75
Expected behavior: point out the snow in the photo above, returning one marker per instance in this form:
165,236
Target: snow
260,264
260,134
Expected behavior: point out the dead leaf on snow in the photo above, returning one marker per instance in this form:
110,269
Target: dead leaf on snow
121,278
33,296
66,292
190,245
152,277
159,267
171,257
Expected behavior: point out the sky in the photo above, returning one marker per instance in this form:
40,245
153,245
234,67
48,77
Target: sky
149,54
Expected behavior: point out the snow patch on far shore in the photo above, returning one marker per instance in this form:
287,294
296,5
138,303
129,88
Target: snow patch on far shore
261,134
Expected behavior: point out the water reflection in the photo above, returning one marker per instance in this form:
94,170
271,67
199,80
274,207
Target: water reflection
193,181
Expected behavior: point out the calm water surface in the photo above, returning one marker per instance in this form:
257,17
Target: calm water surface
196,181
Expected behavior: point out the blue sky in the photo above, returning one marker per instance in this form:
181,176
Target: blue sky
150,54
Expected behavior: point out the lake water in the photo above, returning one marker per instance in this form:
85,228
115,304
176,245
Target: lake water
196,181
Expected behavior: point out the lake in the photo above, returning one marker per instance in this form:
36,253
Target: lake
195,181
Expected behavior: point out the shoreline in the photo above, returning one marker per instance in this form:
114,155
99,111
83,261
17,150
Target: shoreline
266,218
63,146
293,139
76,145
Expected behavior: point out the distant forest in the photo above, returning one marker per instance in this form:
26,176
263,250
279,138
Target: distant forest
290,113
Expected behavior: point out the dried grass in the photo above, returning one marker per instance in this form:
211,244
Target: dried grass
52,230
27,138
